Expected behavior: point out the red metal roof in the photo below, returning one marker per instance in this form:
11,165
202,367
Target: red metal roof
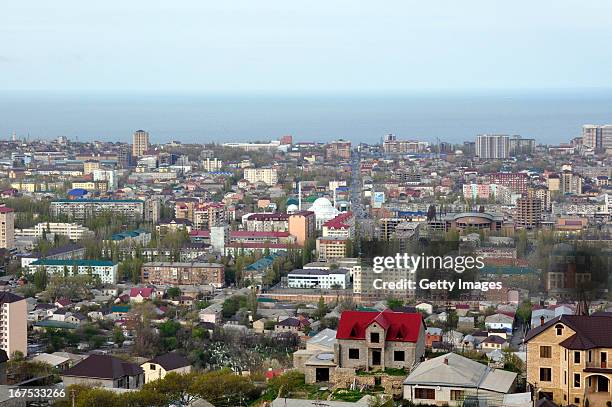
400,326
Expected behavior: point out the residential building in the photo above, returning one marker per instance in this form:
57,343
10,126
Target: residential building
13,324
339,149
332,248
81,209
492,146
140,143
183,273
302,225
451,379
158,367
7,228
379,340
106,270
268,176
528,213
104,371
69,251
72,231
568,360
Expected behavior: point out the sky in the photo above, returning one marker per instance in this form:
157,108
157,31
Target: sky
236,46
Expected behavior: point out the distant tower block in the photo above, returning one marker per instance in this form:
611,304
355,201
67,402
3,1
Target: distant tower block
219,237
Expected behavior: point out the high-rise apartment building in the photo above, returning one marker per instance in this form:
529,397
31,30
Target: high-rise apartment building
140,144
13,323
492,146
7,228
597,137
528,213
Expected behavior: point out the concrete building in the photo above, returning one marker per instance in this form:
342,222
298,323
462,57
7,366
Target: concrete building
106,270
268,176
339,149
492,146
81,209
183,273
331,248
7,228
316,278
72,231
110,176
302,225
13,324
140,143
528,213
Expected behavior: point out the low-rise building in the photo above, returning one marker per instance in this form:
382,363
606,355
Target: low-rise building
316,278
104,371
158,367
451,379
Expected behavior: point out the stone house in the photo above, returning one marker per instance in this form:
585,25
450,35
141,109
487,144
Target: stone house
568,360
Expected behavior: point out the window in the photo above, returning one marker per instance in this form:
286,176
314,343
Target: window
374,337
151,366
546,352
545,374
353,353
457,395
559,329
576,380
428,394
565,377
576,357
398,356
577,400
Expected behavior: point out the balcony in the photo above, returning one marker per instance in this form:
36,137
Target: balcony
598,366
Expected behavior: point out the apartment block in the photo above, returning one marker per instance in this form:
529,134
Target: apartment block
81,209
107,271
183,273
13,323
7,228
268,176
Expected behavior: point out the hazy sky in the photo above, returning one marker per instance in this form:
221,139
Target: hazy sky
283,45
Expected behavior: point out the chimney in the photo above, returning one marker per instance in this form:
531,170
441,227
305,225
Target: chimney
542,320
446,361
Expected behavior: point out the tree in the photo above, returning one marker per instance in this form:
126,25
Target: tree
173,292
252,302
394,303
118,336
176,387
321,309
41,278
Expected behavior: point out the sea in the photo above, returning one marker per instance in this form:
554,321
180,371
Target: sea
549,116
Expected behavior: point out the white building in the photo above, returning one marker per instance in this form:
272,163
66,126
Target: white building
109,176
312,278
72,231
268,176
106,270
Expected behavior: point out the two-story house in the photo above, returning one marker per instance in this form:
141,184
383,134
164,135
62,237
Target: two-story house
379,340
568,360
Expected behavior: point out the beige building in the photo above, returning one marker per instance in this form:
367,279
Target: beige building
158,367
178,273
13,323
330,248
568,360
7,228
268,176
72,231
89,166
140,143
